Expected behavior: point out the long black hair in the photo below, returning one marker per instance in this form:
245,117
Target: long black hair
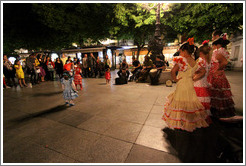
191,49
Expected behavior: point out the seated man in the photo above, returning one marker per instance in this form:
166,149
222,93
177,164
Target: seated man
136,69
147,66
123,70
159,65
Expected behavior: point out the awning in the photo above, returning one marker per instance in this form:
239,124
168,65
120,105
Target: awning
84,50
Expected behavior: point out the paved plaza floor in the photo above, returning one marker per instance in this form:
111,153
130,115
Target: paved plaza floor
108,124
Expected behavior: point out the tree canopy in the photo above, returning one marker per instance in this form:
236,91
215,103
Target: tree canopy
201,19
58,25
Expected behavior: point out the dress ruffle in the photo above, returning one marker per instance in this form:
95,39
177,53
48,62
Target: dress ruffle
222,104
184,115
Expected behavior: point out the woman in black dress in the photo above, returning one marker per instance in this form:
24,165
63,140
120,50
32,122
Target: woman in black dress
59,67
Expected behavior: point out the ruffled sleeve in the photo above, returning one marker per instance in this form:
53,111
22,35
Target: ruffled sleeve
223,52
201,63
181,62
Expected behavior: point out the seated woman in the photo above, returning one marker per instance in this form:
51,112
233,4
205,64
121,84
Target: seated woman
123,69
147,66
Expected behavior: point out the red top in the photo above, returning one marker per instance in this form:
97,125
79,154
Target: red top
52,63
77,70
107,75
67,66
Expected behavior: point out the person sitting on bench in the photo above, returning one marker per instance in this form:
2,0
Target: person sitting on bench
123,70
147,66
136,69
159,65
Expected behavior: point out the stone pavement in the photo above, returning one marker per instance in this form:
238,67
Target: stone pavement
108,124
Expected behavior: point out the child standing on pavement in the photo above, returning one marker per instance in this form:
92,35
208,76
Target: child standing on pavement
20,73
69,92
107,75
77,76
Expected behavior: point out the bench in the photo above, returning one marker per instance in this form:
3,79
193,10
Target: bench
165,75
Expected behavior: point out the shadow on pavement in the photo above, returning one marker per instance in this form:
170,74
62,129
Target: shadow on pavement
219,143
47,94
42,113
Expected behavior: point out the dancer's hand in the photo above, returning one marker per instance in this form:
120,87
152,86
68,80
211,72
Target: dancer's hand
177,79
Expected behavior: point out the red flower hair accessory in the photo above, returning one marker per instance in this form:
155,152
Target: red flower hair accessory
224,36
205,42
191,41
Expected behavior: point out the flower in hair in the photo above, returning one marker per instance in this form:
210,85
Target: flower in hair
205,42
191,41
224,36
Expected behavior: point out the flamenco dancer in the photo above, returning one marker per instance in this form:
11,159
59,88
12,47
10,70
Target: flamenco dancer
201,85
222,104
183,110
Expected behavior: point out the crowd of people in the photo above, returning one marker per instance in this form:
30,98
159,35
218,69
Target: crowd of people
202,88
39,68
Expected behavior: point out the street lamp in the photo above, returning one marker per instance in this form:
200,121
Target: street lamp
155,45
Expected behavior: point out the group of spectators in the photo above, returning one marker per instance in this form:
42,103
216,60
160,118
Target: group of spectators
94,67
39,68
141,72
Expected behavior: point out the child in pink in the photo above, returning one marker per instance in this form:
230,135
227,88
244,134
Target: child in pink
107,75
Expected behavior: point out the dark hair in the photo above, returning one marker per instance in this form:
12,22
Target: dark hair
207,51
176,53
16,61
191,49
217,32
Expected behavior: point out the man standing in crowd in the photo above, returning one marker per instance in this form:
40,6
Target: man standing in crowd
8,70
85,66
30,62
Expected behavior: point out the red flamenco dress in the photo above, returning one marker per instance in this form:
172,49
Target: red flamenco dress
202,86
183,110
77,76
107,75
222,104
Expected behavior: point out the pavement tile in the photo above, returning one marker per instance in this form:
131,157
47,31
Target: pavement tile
142,107
74,118
76,144
157,109
123,130
109,150
153,137
97,124
133,116
142,154
25,151
155,121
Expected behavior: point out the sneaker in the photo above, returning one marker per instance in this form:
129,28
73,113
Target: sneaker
72,104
